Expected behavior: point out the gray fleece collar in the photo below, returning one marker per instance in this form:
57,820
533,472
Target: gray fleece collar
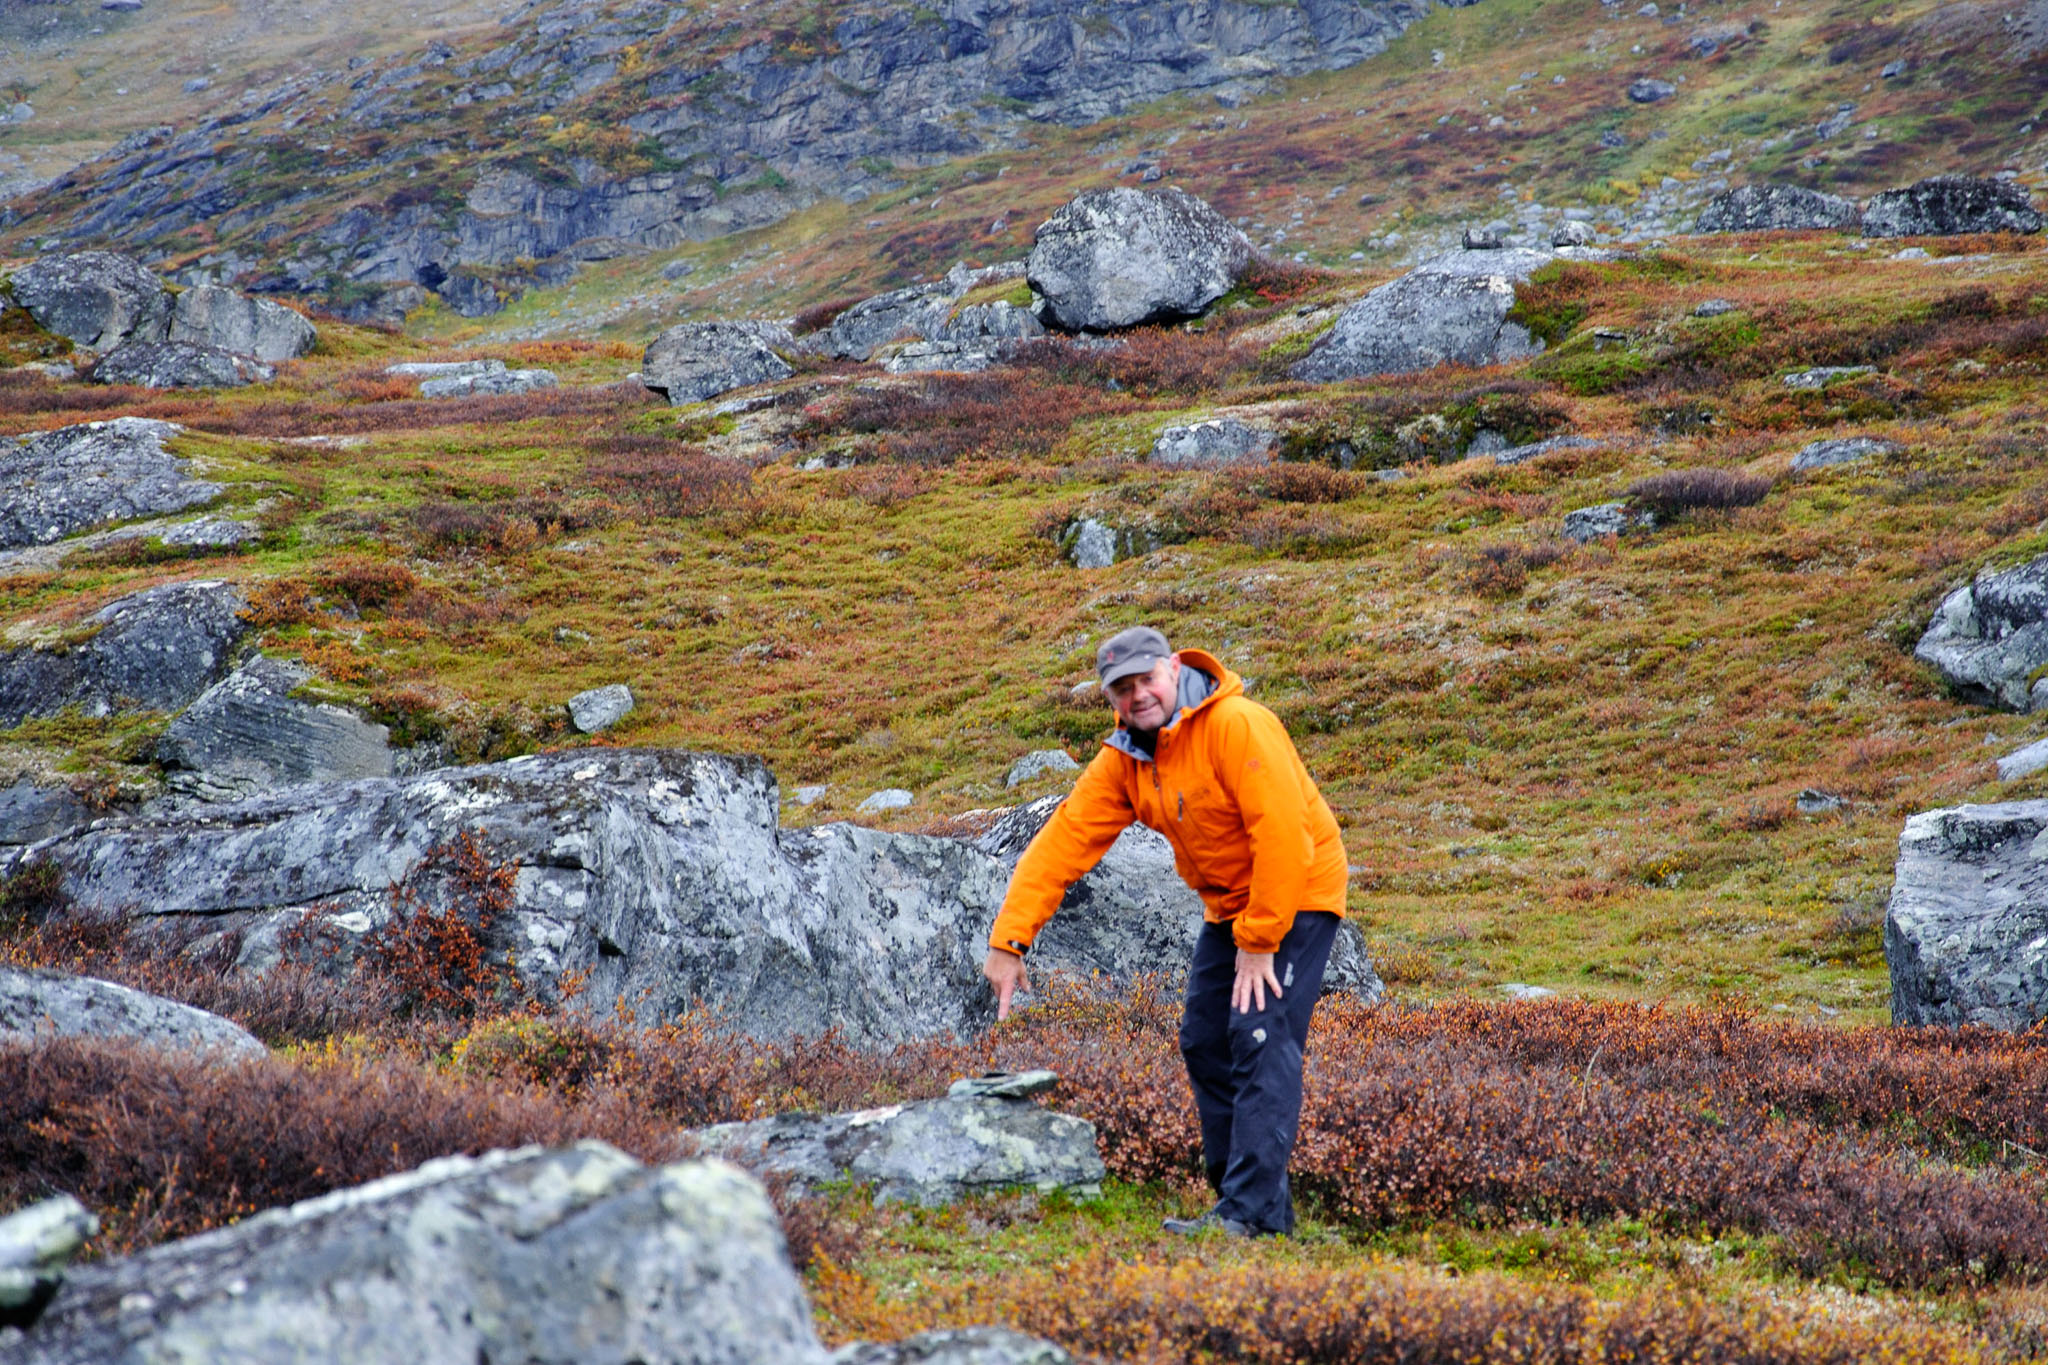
1196,687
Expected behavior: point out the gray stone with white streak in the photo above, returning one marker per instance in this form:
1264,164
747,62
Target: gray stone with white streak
700,360
1116,257
209,315
1966,933
600,708
55,484
157,649
1990,636
42,1004
248,734
1452,310
575,1256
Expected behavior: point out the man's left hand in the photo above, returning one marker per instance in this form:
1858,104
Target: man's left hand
1254,978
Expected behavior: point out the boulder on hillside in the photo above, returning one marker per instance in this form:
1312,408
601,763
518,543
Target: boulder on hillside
575,1256
918,310
39,1004
1990,636
1842,450
179,365
1117,257
1215,441
1776,208
247,734
36,1244
1966,933
209,315
159,648
54,484
937,325
930,1152
700,360
1452,310
1943,205
99,299
1650,90
491,382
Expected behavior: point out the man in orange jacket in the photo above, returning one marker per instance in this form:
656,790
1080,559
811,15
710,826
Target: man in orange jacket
1215,772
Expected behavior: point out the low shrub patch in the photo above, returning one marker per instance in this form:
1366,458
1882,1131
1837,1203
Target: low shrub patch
1676,492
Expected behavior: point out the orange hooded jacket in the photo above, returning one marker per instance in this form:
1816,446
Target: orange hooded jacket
1249,830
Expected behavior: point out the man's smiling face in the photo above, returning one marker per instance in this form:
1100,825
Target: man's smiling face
1146,701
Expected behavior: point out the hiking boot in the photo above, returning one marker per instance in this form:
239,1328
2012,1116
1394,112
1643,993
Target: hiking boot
1212,1221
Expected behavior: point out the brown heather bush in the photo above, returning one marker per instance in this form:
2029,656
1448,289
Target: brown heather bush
939,418
661,477
1503,570
1297,481
818,316
435,949
1676,492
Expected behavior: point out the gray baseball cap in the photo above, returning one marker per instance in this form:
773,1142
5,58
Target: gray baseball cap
1130,651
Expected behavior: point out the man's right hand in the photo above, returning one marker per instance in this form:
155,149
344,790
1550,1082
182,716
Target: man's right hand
1005,971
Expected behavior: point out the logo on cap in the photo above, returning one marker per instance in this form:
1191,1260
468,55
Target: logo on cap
1130,651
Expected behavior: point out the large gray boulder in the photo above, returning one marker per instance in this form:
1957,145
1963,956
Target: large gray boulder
930,1152
578,1256
1452,310
1776,208
248,734
1943,205
55,484
1966,934
39,1004
1990,636
701,360
942,331
158,649
1117,257
179,365
96,298
208,315
919,311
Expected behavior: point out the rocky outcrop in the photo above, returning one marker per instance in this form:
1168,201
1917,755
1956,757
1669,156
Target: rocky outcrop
930,1152
1842,450
1966,933
208,315
1588,524
248,734
1947,204
36,1244
494,380
1776,208
1452,310
38,1004
1990,636
98,299
159,648
956,1346
701,360
1117,257
567,1257
54,484
30,814
938,329
179,365
1214,441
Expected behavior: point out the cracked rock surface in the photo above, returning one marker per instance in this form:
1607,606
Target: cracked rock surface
1966,932
55,484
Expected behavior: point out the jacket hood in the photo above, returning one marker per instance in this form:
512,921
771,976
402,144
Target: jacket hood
1203,682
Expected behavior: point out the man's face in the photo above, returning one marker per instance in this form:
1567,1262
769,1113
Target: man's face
1146,701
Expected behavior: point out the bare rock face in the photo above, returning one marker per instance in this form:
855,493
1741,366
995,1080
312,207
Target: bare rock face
1776,208
1989,637
208,315
577,1256
159,648
1214,441
701,360
1118,257
1452,310
941,331
1944,205
99,299
1842,450
179,365
1966,934
55,484
30,814
38,1004
247,734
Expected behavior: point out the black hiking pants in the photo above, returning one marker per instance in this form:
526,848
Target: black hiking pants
1245,1069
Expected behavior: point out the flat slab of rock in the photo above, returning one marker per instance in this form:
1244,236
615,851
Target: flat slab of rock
247,734
96,298
2021,762
600,708
565,1257
1118,257
1989,636
444,369
1216,441
157,649
1966,933
38,1004
1776,208
179,365
501,381
1452,310
700,360
1548,446
1945,205
208,315
931,1152
1842,450
29,813
1820,376
55,484
956,1346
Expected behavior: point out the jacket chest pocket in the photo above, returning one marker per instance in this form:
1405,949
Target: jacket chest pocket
1204,809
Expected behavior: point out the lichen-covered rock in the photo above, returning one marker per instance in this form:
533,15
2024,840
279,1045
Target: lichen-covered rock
1037,764
600,708
930,1152
159,648
1842,450
1944,205
1587,524
489,382
40,1004
700,360
55,484
1776,208
1990,636
208,315
578,1256
1117,257
918,310
99,299
36,1244
1214,441
179,365
1452,310
29,813
956,1346
247,734
1966,933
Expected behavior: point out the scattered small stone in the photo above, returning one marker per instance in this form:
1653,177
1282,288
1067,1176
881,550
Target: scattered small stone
1217,441
1588,524
2022,762
1004,1085
36,1244
1814,801
1517,454
1612,140
1482,239
501,381
889,798
1094,545
600,708
1573,233
1842,450
1822,376
1516,990
810,795
955,1346
1650,91
1714,308
1037,764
